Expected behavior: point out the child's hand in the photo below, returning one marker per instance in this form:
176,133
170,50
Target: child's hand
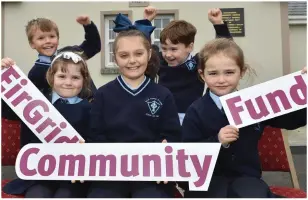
74,181
149,13
215,16
83,20
304,70
165,182
6,63
228,134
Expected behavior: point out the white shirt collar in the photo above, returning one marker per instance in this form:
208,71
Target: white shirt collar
216,100
190,56
46,59
71,100
130,86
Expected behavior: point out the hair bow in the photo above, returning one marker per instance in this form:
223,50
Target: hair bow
122,23
68,55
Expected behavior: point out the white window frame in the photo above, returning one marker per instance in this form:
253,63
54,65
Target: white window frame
107,51
108,67
170,16
297,20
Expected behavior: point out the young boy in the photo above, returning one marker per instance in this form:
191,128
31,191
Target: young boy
178,69
43,36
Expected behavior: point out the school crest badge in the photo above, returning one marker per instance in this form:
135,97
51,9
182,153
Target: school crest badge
154,105
191,64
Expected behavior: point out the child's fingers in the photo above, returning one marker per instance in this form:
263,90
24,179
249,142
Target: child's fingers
209,12
81,181
231,131
82,17
232,127
217,11
158,182
304,70
7,62
74,181
231,136
10,62
5,65
229,140
165,182
212,12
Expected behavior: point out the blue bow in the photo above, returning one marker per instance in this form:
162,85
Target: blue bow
122,23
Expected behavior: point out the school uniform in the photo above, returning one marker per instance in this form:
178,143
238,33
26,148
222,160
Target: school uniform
183,80
90,47
123,114
37,74
237,171
79,119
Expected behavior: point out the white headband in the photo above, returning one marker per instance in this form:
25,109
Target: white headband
69,55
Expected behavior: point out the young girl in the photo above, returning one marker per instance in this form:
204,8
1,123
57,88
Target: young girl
132,108
69,79
238,171
43,36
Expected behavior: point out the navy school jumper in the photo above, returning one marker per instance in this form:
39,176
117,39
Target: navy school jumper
37,74
121,114
183,80
78,115
203,122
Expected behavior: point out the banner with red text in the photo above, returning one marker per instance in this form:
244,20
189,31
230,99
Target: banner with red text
34,109
192,162
266,100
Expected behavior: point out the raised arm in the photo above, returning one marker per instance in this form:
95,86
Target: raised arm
221,28
92,43
149,13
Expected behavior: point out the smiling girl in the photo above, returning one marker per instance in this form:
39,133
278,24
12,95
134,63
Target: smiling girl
237,173
69,80
133,108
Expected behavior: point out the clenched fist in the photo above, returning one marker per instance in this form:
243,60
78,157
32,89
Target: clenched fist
149,13
215,16
83,20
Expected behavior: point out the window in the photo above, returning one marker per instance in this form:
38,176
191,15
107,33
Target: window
108,66
160,22
297,11
108,36
109,39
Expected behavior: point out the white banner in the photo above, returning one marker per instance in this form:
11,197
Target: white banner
193,162
34,109
266,100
